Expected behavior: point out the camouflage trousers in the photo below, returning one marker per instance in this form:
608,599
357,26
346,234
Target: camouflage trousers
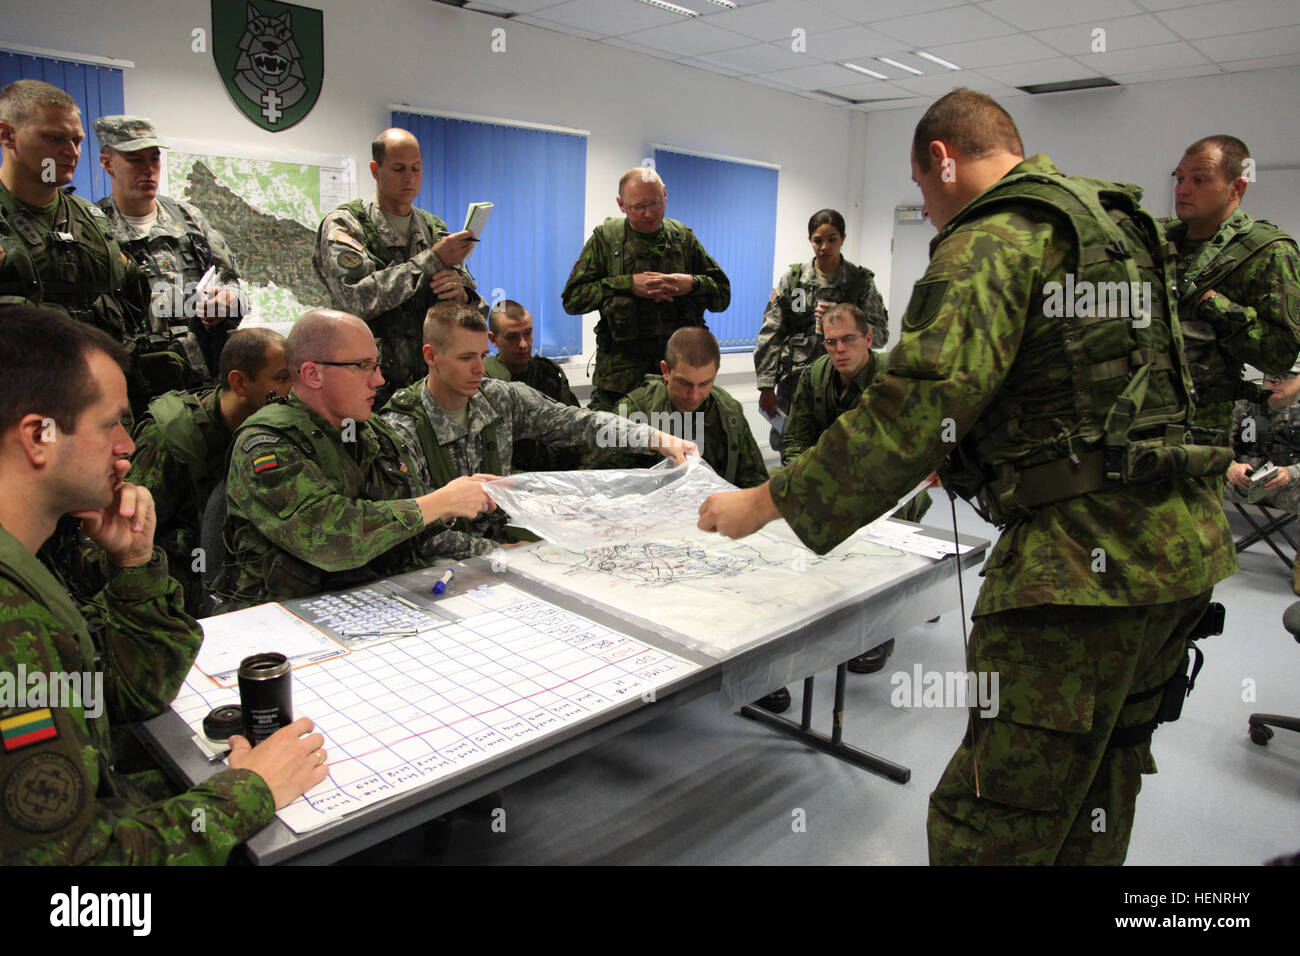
1053,790
1286,498
616,374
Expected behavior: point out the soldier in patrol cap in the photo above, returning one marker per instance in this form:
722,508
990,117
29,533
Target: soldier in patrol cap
388,261
648,276
1112,533
183,443
510,329
63,449
175,247
1238,282
56,249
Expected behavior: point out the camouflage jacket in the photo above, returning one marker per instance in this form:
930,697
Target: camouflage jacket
311,507
499,414
180,456
63,804
633,328
1255,317
975,333
386,282
548,378
718,427
89,277
791,337
173,257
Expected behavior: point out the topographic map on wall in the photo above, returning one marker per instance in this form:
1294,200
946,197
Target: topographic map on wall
628,543
268,210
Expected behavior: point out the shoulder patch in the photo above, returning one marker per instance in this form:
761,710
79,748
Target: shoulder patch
23,730
252,441
265,462
44,793
347,240
95,211
923,306
347,259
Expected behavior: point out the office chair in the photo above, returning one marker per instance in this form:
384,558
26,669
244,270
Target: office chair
1261,725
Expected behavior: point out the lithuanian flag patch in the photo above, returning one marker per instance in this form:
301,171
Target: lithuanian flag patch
264,462
29,728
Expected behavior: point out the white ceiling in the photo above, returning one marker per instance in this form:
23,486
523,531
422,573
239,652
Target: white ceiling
1000,44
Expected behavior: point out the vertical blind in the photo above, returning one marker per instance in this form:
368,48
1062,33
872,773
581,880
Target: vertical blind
537,181
731,206
96,89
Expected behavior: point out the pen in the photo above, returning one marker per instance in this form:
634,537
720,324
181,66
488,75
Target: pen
444,581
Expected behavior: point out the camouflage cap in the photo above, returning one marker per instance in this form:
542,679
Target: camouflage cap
126,134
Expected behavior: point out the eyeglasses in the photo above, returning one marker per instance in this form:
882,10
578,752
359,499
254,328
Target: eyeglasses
846,339
368,366
644,207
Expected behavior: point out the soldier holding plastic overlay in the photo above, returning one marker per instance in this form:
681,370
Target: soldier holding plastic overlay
387,261
649,276
1238,283
63,449
982,383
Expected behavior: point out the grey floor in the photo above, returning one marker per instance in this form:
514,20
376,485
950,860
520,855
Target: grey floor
699,786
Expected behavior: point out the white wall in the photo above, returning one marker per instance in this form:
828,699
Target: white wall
1133,134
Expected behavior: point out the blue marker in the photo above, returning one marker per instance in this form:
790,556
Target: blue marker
444,581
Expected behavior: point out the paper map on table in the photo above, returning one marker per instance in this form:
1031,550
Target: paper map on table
404,713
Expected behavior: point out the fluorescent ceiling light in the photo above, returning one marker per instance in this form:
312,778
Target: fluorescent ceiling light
935,59
862,69
901,66
670,7
724,3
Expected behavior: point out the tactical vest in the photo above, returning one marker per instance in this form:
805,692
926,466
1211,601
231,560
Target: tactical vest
281,571
549,378
183,428
630,319
1116,411
406,401
395,323
823,378
729,411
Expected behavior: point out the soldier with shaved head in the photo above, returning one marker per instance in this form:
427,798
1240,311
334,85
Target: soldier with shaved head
387,261
319,493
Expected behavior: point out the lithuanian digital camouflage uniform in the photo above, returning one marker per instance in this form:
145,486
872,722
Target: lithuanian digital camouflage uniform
312,507
791,337
63,256
548,378
1098,575
499,414
822,396
718,427
180,456
62,803
180,247
1255,318
369,272
633,332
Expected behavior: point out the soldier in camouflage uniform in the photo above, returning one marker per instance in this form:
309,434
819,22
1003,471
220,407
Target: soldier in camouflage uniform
1269,432
648,276
791,336
320,494
174,246
510,329
464,423
1238,283
63,801
183,443
388,262
1111,542
56,248
684,397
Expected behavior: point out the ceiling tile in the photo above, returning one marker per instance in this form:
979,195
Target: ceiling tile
1043,71
1045,14
775,19
761,58
533,21
994,51
937,85
1247,46
819,77
1166,56
1178,73
511,6
1125,33
1262,63
925,30
687,38
605,18
869,11
1235,16
849,43
711,67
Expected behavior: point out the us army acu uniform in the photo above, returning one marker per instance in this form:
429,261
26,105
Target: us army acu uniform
372,273
718,427
633,331
548,378
1255,318
312,507
63,256
791,337
1262,435
60,801
822,396
1109,547
498,414
180,456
